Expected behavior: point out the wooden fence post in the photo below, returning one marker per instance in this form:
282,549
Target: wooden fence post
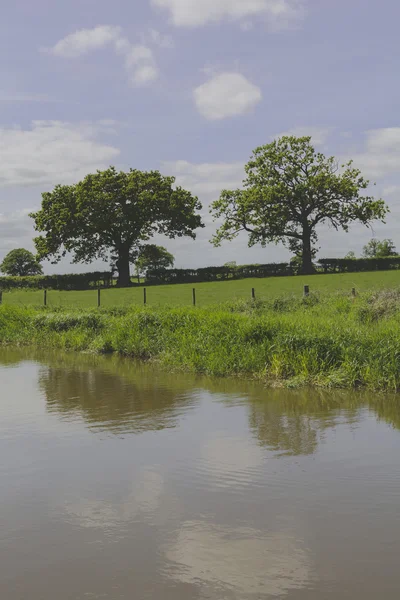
253,294
144,296
194,296
1,296
98,298
353,292
306,290
45,298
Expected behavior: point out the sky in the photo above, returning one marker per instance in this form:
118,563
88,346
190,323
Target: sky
191,87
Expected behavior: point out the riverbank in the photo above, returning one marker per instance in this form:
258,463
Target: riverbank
327,341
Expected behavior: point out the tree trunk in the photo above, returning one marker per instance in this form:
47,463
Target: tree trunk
307,267
124,275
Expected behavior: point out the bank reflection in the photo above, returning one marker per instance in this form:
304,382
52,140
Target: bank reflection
121,396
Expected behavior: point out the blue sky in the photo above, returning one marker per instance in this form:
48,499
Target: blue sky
191,87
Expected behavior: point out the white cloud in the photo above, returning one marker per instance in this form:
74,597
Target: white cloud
159,39
381,156
206,179
144,75
384,140
52,152
239,562
139,60
319,134
194,13
85,40
136,54
226,95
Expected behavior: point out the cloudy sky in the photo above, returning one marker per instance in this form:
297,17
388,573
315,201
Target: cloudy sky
190,87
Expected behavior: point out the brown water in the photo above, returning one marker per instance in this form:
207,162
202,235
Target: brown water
120,482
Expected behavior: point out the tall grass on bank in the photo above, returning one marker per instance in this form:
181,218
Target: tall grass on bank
331,341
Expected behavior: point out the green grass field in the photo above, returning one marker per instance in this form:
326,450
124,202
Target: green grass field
211,293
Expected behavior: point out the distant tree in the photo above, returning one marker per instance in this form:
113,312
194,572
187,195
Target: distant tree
296,264
289,190
153,257
350,254
112,213
21,262
379,249
231,264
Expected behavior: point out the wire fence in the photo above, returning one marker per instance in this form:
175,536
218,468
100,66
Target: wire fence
53,298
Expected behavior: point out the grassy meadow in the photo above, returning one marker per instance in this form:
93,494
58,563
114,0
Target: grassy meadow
210,293
326,339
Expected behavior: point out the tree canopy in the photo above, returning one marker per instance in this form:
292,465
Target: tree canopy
21,262
379,249
109,214
289,190
153,257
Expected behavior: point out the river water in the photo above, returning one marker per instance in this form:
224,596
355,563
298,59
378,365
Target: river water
118,481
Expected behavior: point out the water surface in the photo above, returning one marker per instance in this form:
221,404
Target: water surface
118,481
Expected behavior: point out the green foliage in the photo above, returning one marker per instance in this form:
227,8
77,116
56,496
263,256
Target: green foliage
20,262
289,190
113,213
330,340
152,257
379,249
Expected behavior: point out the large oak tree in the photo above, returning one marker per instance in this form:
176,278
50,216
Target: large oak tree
290,190
110,214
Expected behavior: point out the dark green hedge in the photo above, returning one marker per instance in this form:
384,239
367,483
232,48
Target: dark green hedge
217,273
75,281
357,265
325,265
87,281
